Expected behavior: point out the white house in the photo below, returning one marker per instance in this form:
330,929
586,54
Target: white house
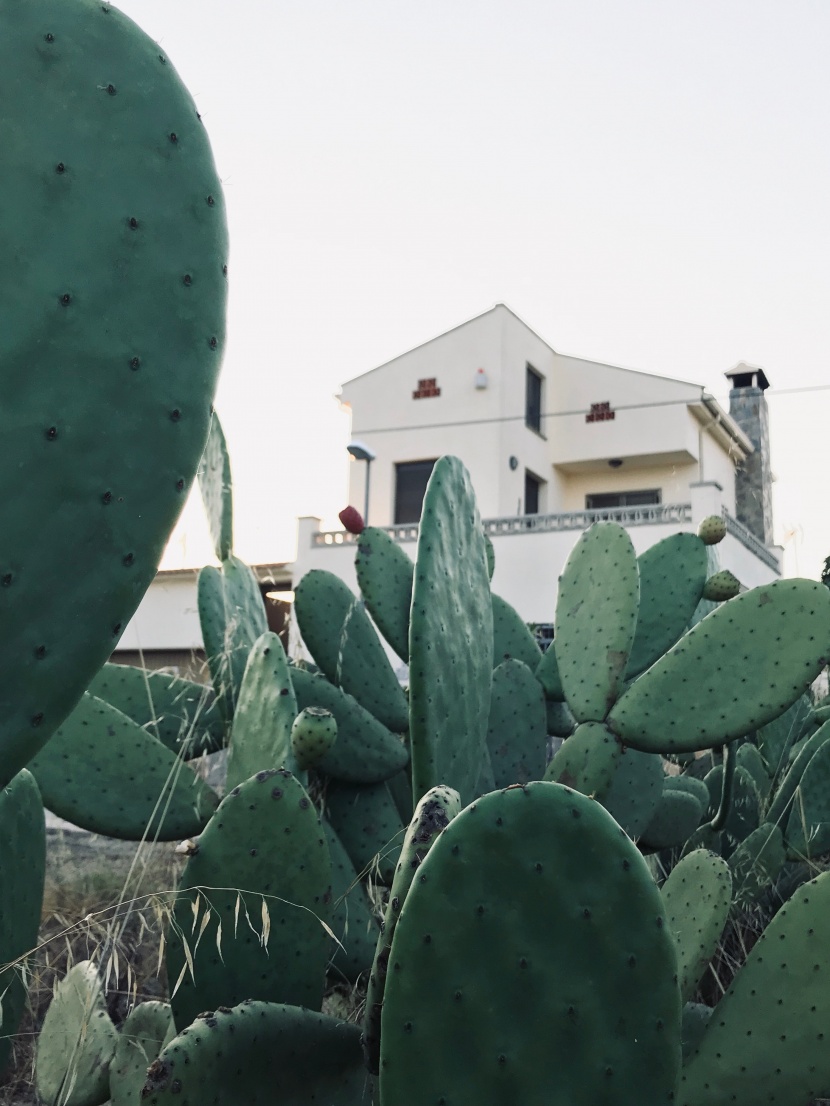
553,442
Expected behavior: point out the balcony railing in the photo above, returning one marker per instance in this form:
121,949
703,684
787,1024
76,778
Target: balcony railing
747,538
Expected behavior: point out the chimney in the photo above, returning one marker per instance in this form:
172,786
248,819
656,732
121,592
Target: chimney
753,478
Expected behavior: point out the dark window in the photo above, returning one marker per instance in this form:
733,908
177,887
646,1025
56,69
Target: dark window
532,486
411,481
533,400
605,500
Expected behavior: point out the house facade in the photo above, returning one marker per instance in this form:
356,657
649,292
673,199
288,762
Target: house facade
552,443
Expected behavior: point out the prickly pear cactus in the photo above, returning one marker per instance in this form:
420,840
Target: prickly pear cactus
216,487
697,896
712,529
384,575
721,586
313,733
143,1035
476,971
113,284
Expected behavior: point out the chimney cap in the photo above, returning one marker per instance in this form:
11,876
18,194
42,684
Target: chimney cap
747,376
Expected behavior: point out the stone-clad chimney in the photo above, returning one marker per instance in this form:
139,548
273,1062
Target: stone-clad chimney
753,478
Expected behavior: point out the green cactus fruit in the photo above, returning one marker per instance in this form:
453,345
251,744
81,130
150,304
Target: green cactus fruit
722,586
712,529
587,761
511,636
471,977
695,1019
636,791
148,1029
756,864
353,922
232,617
180,713
450,637
778,810
366,820
676,818
267,940
104,773
365,751
547,673
697,896
114,239
22,873
808,825
725,678
433,813
259,1053
766,1037
265,711
749,758
384,576
77,1042
672,574
596,617
778,736
517,726
313,732
217,490
339,635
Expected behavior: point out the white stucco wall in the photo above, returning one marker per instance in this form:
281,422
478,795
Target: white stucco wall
167,617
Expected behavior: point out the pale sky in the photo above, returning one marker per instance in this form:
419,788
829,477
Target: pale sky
644,182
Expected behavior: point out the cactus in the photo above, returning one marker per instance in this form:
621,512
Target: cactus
450,638
676,818
511,637
267,904
216,487
712,529
587,761
697,896
384,576
77,1042
104,773
636,790
115,242
147,1030
722,586
756,863
313,733
257,1053
468,977
366,820
353,921
517,725
22,873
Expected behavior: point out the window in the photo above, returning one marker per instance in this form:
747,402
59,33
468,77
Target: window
533,487
411,479
533,400
604,500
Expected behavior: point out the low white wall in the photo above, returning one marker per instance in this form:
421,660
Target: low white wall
167,617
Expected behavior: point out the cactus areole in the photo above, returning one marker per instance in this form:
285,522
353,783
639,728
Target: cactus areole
113,287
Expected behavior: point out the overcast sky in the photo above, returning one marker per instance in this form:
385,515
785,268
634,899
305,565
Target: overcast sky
644,182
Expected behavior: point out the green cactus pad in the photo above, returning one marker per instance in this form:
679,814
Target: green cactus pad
587,761
265,711
22,873
691,786
216,487
766,1039
676,818
490,553
365,751
104,773
697,896
547,673
740,667
259,1054
433,813
561,723
353,922
695,1019
722,586
672,575
750,759
743,812
475,971
313,733
450,637
232,617
777,738
756,863
77,1042
511,636
400,787
384,576
517,726
343,642
180,713
778,810
366,820
147,1030
636,791
596,617
266,841
808,825
114,240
